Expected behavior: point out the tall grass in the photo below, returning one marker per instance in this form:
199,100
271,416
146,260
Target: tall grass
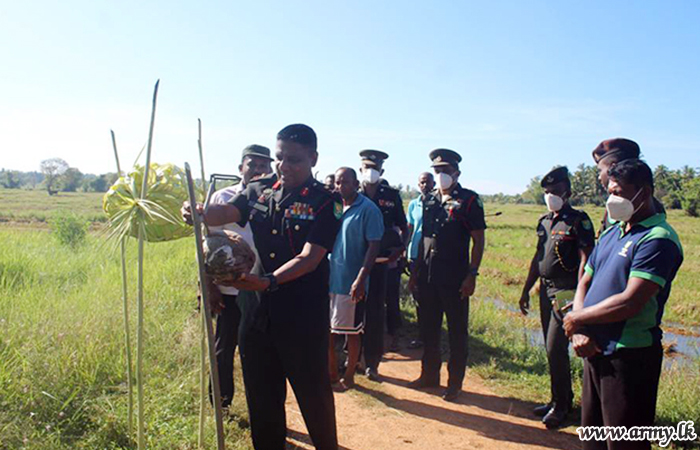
62,383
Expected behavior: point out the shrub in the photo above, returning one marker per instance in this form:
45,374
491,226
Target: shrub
691,197
69,229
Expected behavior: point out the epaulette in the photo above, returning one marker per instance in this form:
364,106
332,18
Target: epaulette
318,186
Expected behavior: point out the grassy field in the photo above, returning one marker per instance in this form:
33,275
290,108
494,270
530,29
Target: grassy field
19,205
62,381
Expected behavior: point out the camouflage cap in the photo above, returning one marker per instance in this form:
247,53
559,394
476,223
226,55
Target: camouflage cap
256,150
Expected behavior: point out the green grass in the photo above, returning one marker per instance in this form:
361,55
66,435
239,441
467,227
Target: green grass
511,242
62,361
500,349
62,378
20,205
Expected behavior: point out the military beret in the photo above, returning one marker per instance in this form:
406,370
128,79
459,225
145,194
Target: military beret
373,157
256,150
444,157
622,148
556,175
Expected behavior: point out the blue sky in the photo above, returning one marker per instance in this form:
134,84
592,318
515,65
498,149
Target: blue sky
515,87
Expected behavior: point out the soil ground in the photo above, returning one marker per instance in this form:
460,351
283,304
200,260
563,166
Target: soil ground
389,415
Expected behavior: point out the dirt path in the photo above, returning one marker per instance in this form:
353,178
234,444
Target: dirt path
388,415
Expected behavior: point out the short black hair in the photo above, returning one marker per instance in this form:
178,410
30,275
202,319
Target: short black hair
632,171
349,170
299,133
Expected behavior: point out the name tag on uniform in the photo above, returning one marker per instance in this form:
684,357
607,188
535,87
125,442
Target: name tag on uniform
260,207
386,203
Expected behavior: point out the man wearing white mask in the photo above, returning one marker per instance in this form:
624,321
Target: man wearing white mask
446,271
393,245
565,239
619,304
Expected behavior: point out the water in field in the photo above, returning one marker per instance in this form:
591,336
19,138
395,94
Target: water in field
681,348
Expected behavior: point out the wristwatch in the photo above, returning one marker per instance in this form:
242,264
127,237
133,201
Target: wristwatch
272,287
474,271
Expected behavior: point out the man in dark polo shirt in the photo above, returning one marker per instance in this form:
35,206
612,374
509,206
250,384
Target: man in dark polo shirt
619,303
565,239
446,272
284,332
393,244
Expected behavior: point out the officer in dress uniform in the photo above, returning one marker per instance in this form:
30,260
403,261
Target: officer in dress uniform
284,332
446,272
565,239
393,244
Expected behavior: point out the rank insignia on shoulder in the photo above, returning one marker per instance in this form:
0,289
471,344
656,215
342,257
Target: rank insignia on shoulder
304,192
337,210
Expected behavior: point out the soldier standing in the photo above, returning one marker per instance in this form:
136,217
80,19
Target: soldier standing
284,332
255,162
565,239
393,244
446,272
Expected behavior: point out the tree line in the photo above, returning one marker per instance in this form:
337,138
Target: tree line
676,189
56,175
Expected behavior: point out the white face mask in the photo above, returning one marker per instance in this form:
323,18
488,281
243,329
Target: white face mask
620,209
554,202
370,176
443,181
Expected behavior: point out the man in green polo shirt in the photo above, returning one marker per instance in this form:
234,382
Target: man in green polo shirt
619,303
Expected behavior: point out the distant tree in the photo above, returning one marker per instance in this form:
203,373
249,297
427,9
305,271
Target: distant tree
30,180
691,197
53,169
534,194
667,187
585,187
10,179
71,180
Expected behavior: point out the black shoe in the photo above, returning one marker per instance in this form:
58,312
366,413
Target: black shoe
542,410
372,374
451,394
423,382
555,418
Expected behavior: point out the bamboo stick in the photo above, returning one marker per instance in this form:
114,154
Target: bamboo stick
127,332
141,236
213,369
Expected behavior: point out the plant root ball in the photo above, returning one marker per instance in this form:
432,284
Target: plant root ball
227,256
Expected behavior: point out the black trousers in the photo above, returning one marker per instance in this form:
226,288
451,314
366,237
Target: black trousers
227,324
620,390
373,337
270,356
393,299
436,300
557,345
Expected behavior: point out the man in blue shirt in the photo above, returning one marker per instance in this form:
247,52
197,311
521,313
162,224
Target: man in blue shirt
426,183
619,304
354,253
